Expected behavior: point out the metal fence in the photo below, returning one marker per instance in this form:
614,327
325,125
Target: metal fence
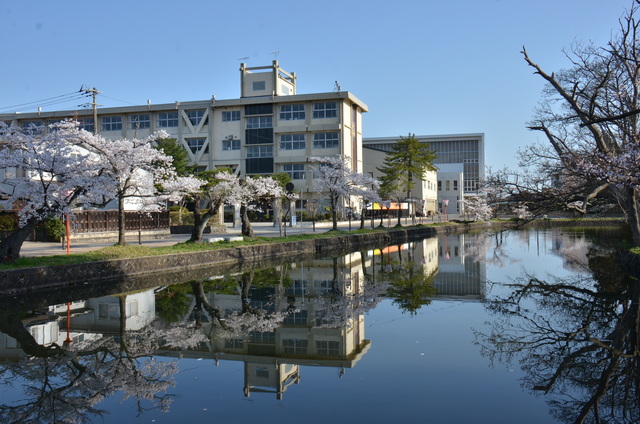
103,221
83,222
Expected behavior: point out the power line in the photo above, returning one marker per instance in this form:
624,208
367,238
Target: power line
67,100
46,102
123,101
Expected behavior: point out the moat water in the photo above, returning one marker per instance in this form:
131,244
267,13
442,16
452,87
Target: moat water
530,326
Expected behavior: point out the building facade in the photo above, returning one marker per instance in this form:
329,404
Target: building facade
460,162
269,129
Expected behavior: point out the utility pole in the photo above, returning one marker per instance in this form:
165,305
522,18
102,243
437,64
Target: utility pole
94,92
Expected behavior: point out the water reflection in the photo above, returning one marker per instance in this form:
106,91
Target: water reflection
575,336
67,367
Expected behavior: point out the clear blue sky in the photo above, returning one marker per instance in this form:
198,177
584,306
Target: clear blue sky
422,66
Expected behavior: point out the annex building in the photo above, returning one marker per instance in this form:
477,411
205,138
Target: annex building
268,129
460,162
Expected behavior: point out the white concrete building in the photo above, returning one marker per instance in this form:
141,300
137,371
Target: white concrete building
460,162
425,191
269,129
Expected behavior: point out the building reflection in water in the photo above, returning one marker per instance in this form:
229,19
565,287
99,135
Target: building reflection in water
462,275
274,321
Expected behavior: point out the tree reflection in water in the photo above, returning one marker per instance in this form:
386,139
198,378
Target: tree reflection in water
576,339
62,385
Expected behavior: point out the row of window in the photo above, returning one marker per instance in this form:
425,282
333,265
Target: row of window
292,112
328,140
287,142
171,119
448,185
294,347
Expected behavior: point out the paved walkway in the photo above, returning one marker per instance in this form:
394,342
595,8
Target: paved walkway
31,248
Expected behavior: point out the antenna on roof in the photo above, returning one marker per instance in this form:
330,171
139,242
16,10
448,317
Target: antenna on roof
276,54
337,87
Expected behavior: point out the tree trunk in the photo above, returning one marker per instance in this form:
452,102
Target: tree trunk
10,247
334,213
12,325
200,221
122,239
628,201
247,230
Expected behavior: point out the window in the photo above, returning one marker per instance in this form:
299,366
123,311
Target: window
322,286
131,309
230,144
34,127
448,185
439,185
260,122
295,170
111,123
168,119
327,348
295,346
139,121
327,140
297,318
230,115
195,144
298,288
261,109
292,112
455,184
259,151
259,85
262,337
325,110
259,136
108,311
195,116
292,142
233,343
86,124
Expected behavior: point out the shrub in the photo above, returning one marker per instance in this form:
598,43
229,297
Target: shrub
7,222
55,228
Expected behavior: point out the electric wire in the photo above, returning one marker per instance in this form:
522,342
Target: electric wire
44,102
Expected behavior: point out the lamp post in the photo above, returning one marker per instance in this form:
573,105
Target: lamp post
445,202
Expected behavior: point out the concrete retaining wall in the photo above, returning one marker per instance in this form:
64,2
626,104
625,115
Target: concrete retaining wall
185,266
42,278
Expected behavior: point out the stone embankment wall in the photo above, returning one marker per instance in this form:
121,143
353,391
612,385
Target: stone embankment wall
16,281
184,266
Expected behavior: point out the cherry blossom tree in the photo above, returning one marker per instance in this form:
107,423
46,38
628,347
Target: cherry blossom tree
218,187
589,116
252,189
134,166
46,176
334,177
477,208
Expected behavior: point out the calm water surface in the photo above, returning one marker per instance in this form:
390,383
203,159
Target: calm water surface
521,326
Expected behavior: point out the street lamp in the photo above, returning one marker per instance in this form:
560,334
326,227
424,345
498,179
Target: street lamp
445,202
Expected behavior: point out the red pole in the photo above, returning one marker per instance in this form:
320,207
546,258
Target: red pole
67,233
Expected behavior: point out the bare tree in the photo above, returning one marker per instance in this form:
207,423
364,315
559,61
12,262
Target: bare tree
589,117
